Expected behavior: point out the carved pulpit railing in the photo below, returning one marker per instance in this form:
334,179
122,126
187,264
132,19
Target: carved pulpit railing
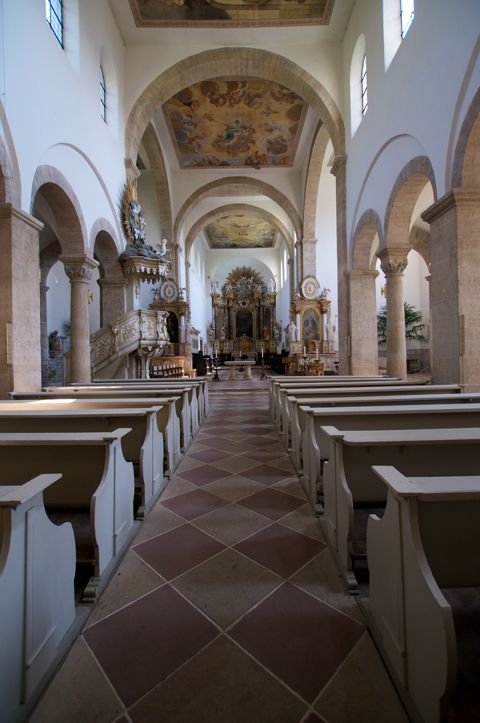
134,330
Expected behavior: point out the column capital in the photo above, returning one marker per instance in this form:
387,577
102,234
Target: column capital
309,241
454,198
338,164
113,284
78,268
298,244
9,211
393,260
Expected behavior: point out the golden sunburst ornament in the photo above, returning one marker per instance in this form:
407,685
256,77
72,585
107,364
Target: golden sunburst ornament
242,272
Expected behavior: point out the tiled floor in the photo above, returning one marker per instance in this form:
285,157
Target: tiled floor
228,606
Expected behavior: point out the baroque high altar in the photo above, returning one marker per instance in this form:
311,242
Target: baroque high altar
244,321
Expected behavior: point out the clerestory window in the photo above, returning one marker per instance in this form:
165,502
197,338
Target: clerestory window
407,13
364,85
103,96
54,17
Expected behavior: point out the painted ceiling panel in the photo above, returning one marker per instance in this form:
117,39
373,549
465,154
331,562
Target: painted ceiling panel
230,13
235,124
240,231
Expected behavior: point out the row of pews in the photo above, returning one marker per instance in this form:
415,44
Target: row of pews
80,467
393,471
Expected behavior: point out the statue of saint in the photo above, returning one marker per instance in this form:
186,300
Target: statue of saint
292,328
222,333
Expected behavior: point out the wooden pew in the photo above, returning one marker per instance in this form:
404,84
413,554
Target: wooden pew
37,606
198,383
95,492
343,380
143,446
290,400
173,417
315,386
316,444
352,490
426,542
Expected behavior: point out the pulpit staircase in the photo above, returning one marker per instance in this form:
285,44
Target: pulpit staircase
141,331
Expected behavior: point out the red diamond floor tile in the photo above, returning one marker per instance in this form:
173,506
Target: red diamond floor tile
211,455
202,475
280,549
271,503
298,638
194,503
265,474
143,643
178,550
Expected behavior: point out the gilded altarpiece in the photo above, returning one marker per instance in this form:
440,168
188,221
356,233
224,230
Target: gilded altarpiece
244,314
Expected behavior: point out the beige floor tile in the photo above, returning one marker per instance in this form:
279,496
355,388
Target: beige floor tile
188,463
177,486
79,693
243,692
233,488
291,486
303,520
158,520
361,690
321,578
226,586
131,580
235,464
231,523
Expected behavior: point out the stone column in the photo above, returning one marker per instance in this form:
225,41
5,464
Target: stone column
299,257
363,323
20,355
79,271
112,300
309,257
339,170
291,277
394,263
455,292
187,280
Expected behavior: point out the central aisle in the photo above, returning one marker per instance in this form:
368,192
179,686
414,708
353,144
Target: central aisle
228,606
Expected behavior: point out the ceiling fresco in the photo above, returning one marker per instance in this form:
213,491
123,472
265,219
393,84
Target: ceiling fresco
235,123
230,13
240,231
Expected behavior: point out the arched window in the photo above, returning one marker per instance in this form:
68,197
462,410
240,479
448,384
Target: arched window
407,13
103,96
358,84
364,85
54,16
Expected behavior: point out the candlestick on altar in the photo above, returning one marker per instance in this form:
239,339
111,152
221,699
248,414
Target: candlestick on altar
317,353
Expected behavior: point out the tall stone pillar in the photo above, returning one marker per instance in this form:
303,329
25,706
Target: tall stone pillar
20,355
299,268
187,280
394,263
339,170
79,271
363,323
309,257
112,300
291,277
455,292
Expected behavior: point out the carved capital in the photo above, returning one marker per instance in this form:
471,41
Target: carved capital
79,268
393,261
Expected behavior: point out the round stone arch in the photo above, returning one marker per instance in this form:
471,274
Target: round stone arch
232,62
315,164
235,208
406,189
363,307
157,164
233,185
466,164
64,206
111,281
